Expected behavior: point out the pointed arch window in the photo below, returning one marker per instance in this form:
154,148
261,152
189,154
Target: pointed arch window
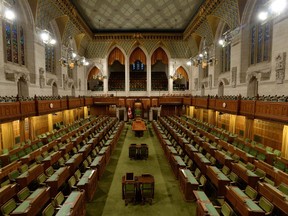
50,59
14,43
226,54
260,39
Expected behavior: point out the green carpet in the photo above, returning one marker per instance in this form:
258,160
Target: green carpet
168,199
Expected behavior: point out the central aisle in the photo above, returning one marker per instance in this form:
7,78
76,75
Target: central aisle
167,201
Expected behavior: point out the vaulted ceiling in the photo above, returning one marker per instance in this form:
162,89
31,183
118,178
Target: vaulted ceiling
137,15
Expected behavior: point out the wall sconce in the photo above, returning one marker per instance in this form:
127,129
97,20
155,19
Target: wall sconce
272,9
6,11
47,38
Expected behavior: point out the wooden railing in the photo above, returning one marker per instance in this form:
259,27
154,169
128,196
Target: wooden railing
267,110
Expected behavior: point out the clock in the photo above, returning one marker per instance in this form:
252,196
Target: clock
224,105
51,105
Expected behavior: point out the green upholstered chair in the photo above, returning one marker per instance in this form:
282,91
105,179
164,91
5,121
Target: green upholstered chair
13,175
49,210
132,151
283,188
266,205
259,172
58,200
13,157
72,183
261,156
41,179
21,153
39,159
45,154
28,150
280,165
34,147
23,194
197,173
213,161
190,164
277,152
144,151
202,182
225,209
49,171
8,207
250,166
89,159
66,157
234,178
23,168
129,192
147,191
269,181
236,158
61,162
225,170
77,175
250,192
4,183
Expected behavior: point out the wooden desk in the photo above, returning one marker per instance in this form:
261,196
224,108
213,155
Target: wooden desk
34,203
188,183
190,149
7,192
201,161
200,195
27,177
88,182
51,159
73,205
218,179
99,164
177,163
138,180
242,203
275,196
223,159
139,127
85,150
4,171
204,208
209,148
57,180
248,176
74,162
66,148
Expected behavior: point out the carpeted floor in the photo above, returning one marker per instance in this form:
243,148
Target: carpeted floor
168,200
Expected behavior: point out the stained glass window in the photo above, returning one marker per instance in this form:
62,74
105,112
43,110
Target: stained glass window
50,59
14,43
260,43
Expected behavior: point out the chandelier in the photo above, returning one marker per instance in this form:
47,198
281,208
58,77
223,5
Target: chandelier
6,12
99,76
227,37
176,76
70,58
203,58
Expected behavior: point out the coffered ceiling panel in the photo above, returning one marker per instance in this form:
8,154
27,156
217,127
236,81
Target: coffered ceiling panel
137,15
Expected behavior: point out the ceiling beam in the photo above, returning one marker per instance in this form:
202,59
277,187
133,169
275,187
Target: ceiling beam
206,9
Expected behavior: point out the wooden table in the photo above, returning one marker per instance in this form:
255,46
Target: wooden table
138,126
218,179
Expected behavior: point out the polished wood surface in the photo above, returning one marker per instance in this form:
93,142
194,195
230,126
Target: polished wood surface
58,179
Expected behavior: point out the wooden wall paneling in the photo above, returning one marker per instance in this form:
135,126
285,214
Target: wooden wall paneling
187,101
277,111
211,103
247,108
171,100
47,106
240,126
227,106
146,104
40,124
154,102
28,108
223,121
75,102
64,104
269,133
88,101
200,102
205,115
98,110
9,111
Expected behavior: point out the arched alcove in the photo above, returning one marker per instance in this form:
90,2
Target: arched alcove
180,80
138,70
73,93
203,90
159,70
116,70
95,80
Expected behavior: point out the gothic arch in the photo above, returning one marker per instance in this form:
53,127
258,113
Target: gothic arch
22,87
221,89
54,89
252,88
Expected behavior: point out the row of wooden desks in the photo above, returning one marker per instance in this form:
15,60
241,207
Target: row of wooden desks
274,195
27,177
74,205
245,174
218,179
88,182
57,180
204,205
242,203
34,203
188,183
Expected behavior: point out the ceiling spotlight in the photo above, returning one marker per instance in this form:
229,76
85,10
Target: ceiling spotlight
263,15
278,6
9,14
